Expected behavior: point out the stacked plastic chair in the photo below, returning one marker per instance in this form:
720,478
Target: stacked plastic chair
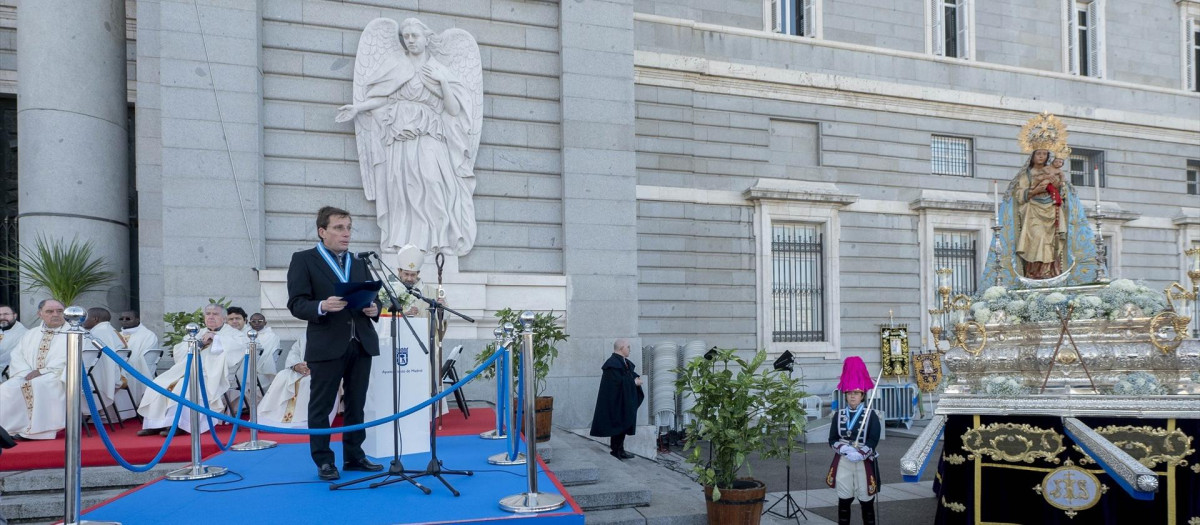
662,389
689,351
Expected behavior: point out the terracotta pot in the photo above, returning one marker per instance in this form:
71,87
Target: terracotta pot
740,505
544,417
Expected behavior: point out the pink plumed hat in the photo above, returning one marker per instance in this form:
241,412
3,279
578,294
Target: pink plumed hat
855,376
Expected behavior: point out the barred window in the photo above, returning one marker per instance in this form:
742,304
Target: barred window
956,250
951,156
1193,178
797,283
1084,165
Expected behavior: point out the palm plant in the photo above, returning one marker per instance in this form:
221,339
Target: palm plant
65,270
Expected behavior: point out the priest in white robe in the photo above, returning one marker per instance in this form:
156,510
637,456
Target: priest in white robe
32,401
106,373
222,350
410,258
138,339
286,402
11,331
268,347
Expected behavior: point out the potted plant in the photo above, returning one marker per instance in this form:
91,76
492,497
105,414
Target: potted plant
546,335
65,270
740,412
177,322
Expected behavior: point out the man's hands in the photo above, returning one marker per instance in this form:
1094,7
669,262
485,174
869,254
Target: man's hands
207,339
412,311
637,381
333,304
32,375
301,368
371,311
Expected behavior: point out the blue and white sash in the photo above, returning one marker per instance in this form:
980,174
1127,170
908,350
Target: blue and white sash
343,274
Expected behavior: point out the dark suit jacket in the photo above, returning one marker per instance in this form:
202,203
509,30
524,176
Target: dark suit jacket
310,280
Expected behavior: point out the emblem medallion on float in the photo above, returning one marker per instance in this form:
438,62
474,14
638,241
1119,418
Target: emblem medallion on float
1071,488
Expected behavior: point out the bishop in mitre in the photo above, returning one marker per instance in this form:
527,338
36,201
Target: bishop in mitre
409,260
32,401
139,340
11,331
222,348
286,402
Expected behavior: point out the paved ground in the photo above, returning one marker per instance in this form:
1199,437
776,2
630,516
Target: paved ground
899,502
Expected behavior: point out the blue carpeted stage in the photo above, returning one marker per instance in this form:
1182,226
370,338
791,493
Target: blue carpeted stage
292,494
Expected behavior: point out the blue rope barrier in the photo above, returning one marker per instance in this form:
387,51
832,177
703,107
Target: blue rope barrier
241,400
108,444
305,431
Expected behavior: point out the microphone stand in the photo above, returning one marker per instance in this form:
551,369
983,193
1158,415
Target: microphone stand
436,315
395,471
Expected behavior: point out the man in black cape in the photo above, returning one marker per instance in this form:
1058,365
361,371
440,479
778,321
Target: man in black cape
618,400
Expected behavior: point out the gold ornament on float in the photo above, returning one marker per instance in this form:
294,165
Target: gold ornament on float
1044,131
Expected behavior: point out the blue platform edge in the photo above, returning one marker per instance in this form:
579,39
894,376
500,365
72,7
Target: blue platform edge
286,490
1108,469
917,478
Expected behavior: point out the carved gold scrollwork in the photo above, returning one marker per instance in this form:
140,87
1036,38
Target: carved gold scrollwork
1166,320
955,459
956,507
1149,445
1014,443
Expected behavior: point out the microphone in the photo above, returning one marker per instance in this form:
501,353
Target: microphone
365,255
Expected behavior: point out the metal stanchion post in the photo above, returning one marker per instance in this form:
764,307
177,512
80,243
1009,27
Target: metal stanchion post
252,390
501,403
531,500
196,470
72,503
510,456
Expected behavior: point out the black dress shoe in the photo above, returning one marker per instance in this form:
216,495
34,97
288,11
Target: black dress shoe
362,465
328,472
623,455
149,431
6,441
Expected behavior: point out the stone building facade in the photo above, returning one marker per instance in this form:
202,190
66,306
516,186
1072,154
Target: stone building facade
640,160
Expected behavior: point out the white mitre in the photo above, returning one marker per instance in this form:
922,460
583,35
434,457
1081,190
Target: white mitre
410,258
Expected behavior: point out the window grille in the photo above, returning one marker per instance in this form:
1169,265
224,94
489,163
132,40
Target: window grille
951,156
1083,164
797,283
956,250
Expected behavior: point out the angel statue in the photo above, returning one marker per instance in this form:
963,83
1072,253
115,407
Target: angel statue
417,111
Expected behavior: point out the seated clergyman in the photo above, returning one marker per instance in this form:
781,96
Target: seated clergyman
221,350
286,402
33,400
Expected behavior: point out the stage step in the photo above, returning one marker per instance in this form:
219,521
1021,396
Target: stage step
48,506
36,496
614,490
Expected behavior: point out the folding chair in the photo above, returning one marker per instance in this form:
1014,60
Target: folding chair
90,358
125,354
450,377
152,357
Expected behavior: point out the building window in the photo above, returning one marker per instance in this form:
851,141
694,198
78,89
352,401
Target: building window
1084,37
956,250
1084,166
795,17
1191,53
1193,177
797,283
949,27
951,156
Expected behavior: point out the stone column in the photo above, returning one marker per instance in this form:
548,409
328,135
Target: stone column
72,134
599,200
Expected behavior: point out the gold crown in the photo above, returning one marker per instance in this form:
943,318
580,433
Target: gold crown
1046,132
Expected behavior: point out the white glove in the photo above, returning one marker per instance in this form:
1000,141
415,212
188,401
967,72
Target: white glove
854,456
842,448
866,451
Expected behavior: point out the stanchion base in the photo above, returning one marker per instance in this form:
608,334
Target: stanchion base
532,502
258,444
492,434
502,459
189,472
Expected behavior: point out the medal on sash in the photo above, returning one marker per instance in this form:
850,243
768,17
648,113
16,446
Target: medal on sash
343,274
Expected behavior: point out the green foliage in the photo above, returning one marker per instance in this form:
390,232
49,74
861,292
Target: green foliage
739,412
65,270
177,321
546,334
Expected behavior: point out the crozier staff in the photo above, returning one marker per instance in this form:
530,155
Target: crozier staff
341,341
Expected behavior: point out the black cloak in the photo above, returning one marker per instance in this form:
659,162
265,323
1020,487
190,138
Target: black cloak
618,400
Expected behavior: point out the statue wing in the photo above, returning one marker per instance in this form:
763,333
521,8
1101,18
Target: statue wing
460,53
378,46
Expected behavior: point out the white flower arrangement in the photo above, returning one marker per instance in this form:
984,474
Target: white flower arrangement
1002,386
1120,299
1138,384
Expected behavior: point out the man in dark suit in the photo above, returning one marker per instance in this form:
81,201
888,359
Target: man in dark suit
341,342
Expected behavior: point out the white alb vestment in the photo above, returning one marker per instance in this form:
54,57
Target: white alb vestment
138,340
35,409
286,402
106,373
8,341
220,359
268,345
